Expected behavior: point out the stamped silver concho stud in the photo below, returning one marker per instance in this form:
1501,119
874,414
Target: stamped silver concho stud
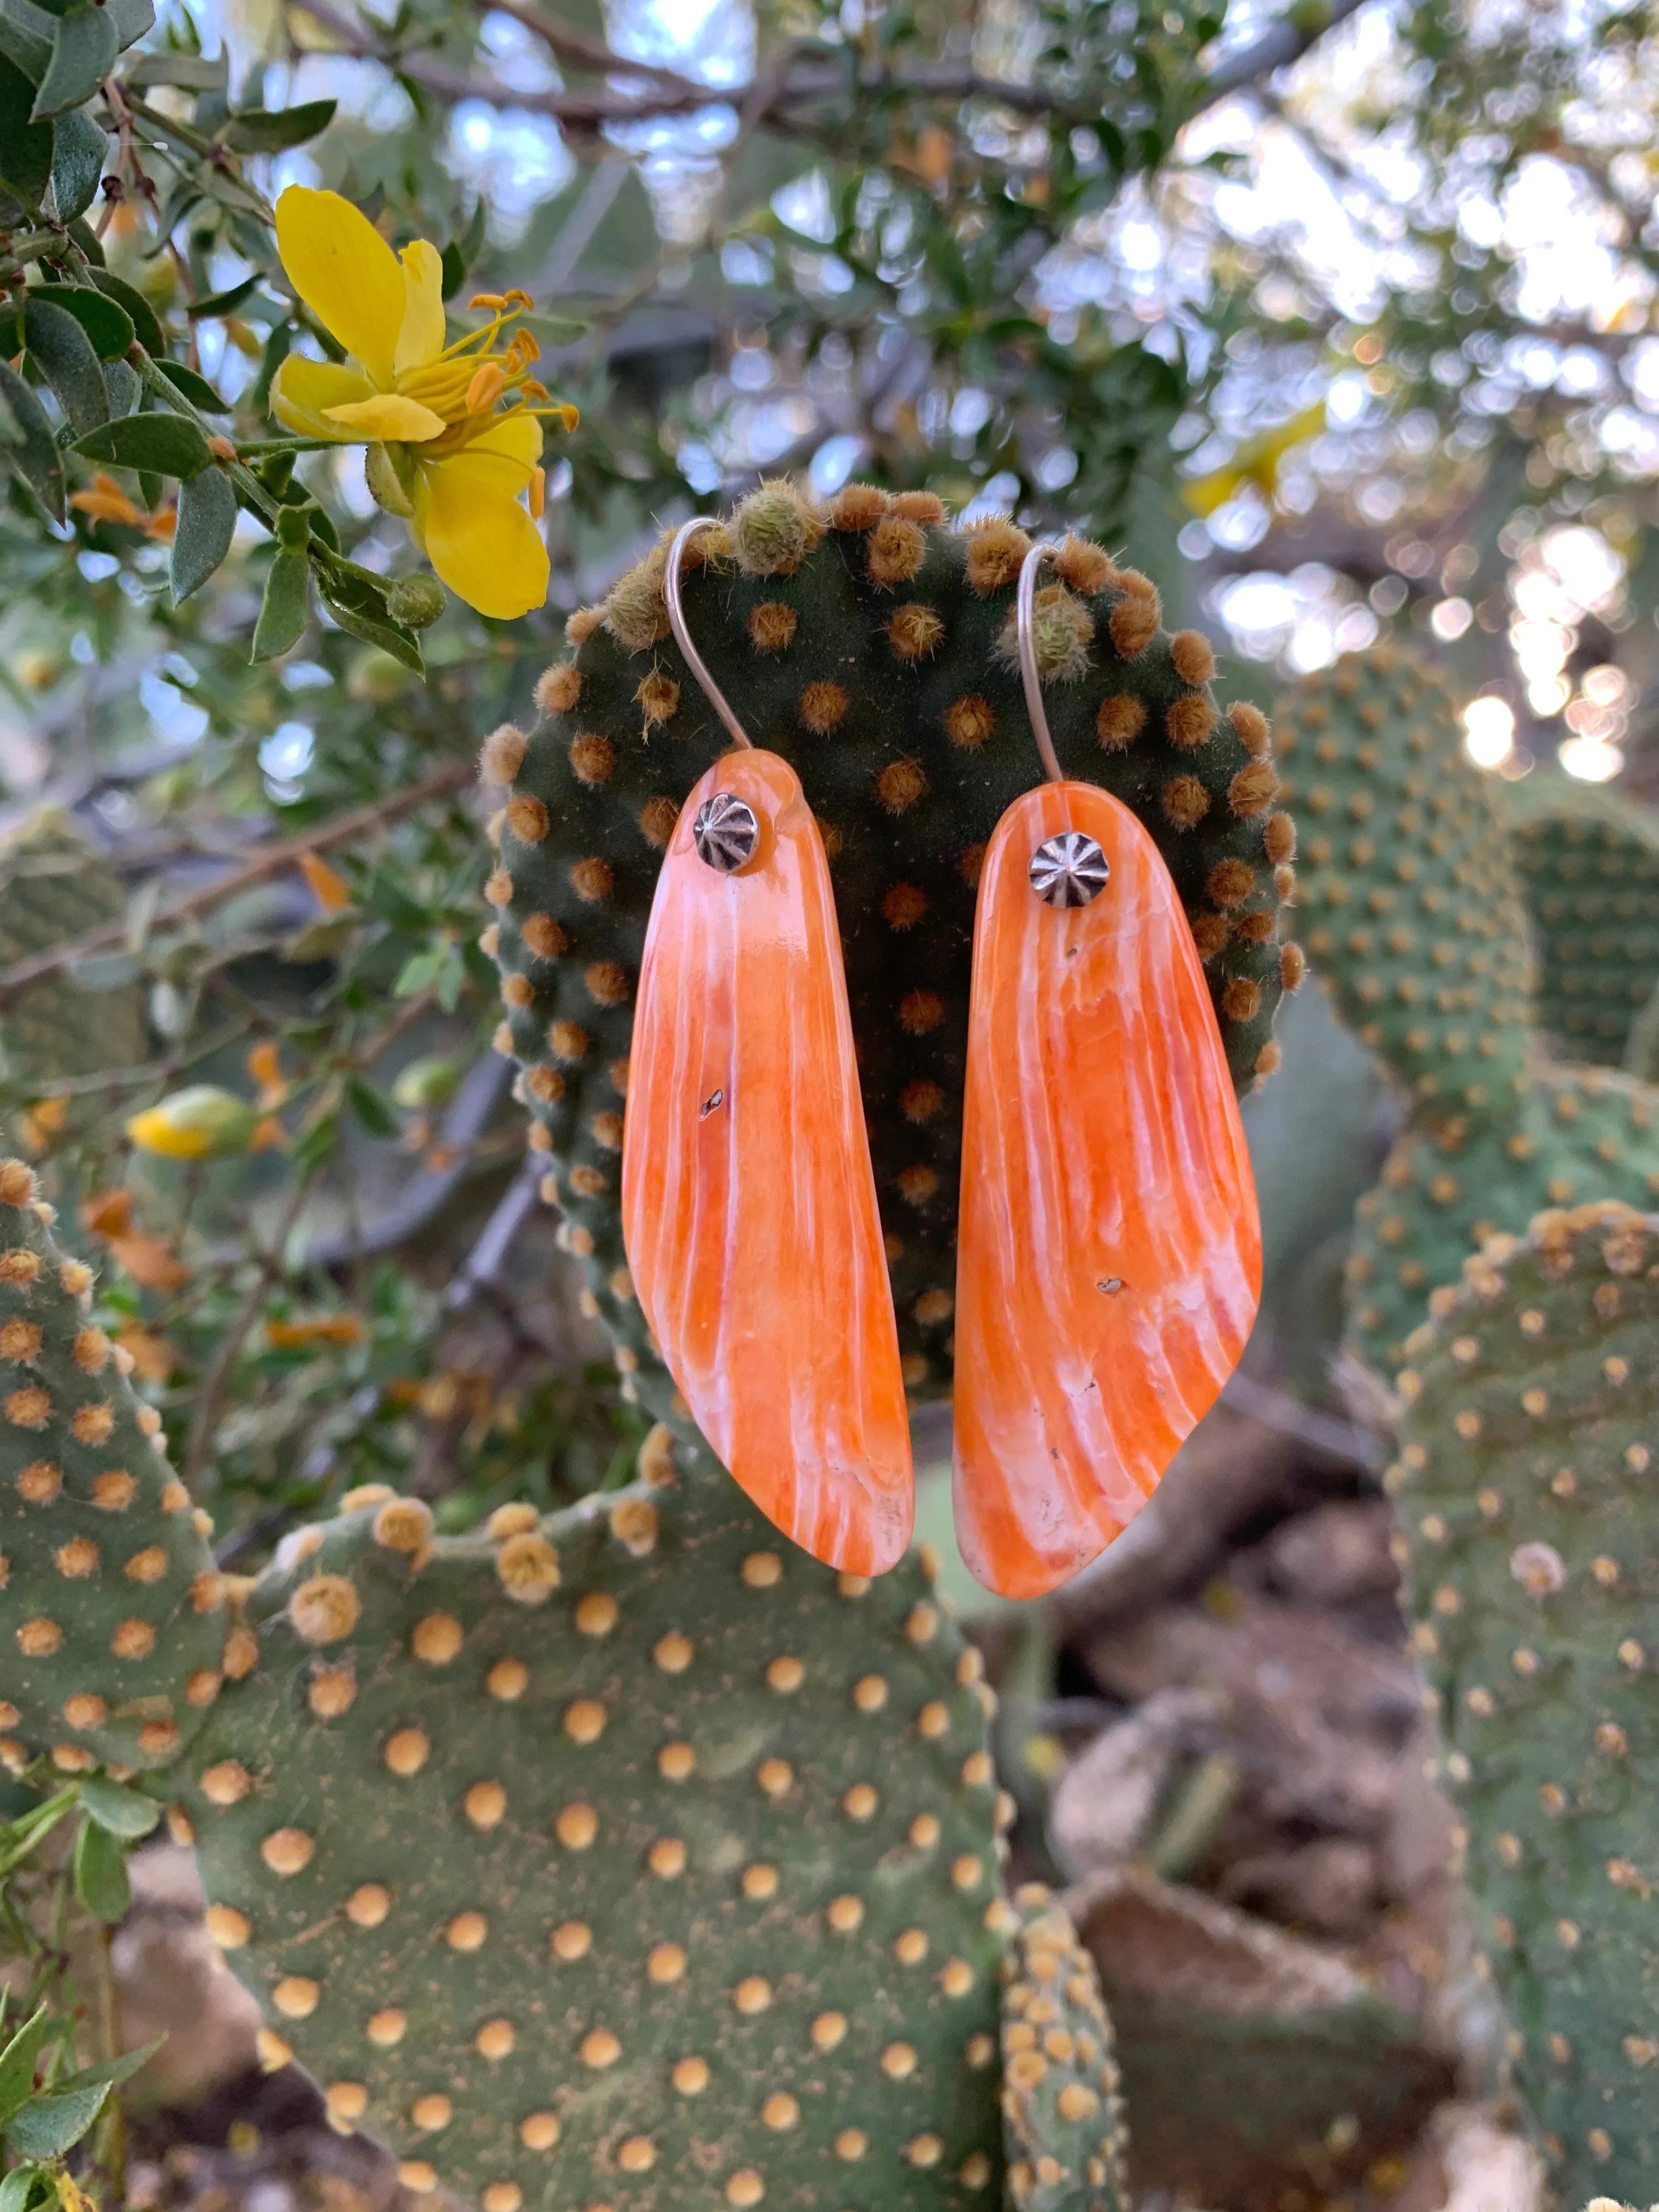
1069,870
725,832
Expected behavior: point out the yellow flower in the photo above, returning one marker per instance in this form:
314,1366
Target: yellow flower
195,1124
453,436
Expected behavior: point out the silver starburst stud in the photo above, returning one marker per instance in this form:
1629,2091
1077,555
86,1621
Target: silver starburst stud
1069,870
725,832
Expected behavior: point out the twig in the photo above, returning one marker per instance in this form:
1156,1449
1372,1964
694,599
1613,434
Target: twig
205,1415
807,85
275,861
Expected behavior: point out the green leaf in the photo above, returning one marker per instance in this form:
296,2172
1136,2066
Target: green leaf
201,536
21,43
78,163
138,306
196,389
131,19
363,616
124,1811
26,441
256,131
26,147
171,444
18,2190
101,1874
224,303
105,321
318,1143
114,2070
286,604
192,72
17,2064
83,50
454,270
371,1106
63,353
47,2126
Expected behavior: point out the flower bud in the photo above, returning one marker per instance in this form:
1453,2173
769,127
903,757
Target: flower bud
199,1123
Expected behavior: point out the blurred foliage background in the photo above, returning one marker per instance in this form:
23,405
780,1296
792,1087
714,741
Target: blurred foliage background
1337,320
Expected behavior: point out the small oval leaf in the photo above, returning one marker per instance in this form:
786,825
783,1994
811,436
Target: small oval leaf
285,607
201,536
63,353
170,445
83,50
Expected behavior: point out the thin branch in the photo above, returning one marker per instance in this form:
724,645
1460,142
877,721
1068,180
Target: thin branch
807,85
1276,49
204,1419
274,860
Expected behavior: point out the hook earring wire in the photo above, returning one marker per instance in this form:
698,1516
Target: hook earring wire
1025,619
694,660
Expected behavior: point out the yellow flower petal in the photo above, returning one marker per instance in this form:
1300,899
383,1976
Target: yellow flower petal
518,437
302,390
388,414
477,535
421,339
346,274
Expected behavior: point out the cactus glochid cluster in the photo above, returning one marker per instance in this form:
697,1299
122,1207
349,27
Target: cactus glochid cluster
625,1856
1525,1484
1415,921
874,649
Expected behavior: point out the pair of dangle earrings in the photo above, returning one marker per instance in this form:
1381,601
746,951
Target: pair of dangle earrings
1109,1251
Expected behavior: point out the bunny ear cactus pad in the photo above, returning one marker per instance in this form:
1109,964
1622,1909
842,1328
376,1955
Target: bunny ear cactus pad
111,1613
1417,928
629,1857
874,649
1414,917
1591,866
1062,2116
1525,1481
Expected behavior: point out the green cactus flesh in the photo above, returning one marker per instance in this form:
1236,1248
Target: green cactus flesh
873,650
672,1880
1590,864
53,889
1063,2119
1417,928
1528,1450
114,1621
1574,1134
1413,917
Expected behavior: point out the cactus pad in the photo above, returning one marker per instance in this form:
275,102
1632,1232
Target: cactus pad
114,1616
1414,917
874,650
1576,1134
629,1857
1062,2115
1590,864
1525,1480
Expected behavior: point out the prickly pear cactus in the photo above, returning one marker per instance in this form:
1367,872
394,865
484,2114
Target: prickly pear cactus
623,1856
114,1622
1415,924
1064,2119
631,1851
1589,865
1529,1449
874,649
53,889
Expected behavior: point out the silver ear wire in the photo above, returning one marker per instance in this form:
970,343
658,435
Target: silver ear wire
1024,622
694,659
726,831
1068,869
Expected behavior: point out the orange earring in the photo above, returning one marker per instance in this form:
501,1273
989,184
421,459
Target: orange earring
1108,1262
749,1202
